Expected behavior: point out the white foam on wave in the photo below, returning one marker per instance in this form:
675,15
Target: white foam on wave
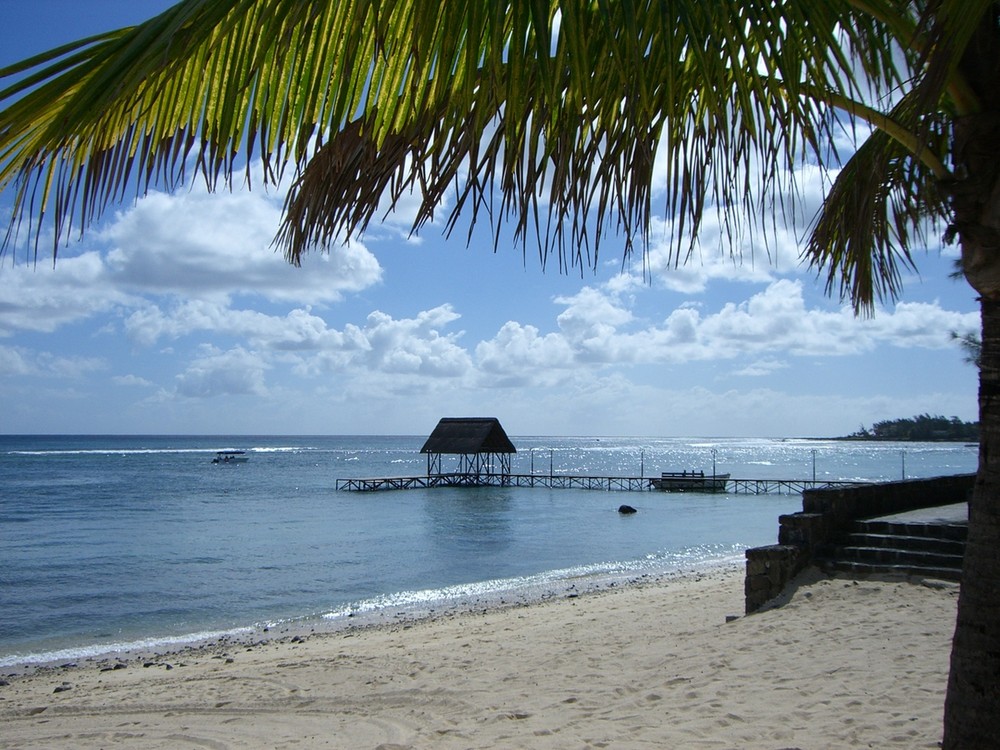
109,451
688,560
141,645
156,451
283,449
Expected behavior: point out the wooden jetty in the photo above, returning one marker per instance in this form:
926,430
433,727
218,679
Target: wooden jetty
482,451
556,481
577,481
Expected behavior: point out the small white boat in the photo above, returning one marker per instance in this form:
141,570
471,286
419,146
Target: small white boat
689,481
230,457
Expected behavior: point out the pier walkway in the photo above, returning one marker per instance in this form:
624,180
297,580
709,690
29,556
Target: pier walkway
570,481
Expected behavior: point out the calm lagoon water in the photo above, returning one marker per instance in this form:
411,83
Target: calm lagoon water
113,543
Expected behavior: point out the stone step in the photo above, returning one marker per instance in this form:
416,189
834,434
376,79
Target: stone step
958,532
892,547
865,569
916,543
895,556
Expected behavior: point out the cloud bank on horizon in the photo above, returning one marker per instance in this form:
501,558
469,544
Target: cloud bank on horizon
176,315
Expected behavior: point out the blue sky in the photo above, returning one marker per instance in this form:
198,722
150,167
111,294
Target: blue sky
175,315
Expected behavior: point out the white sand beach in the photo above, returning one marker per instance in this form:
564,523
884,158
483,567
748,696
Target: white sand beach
843,663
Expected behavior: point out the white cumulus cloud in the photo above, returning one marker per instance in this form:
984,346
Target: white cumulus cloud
236,372
215,246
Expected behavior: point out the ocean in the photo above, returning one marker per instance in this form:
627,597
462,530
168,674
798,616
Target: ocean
131,543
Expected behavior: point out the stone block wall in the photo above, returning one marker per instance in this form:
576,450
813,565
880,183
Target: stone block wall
768,570
827,514
843,505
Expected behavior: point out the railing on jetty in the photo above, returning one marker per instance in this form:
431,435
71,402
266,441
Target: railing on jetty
782,486
576,481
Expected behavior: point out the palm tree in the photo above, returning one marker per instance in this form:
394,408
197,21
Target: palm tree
549,115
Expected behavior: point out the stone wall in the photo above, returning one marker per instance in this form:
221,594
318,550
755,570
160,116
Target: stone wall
827,514
768,571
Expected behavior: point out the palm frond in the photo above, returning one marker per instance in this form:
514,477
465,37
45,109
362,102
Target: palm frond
569,130
880,202
548,115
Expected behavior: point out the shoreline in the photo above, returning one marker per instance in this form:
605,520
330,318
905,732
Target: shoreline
388,615
664,662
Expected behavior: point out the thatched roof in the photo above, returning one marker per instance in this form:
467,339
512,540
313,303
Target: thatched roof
464,435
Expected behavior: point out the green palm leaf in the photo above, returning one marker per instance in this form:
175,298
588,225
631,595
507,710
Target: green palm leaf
548,115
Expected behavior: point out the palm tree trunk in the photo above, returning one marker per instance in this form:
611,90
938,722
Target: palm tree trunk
972,705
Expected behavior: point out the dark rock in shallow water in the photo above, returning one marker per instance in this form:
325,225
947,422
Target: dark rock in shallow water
626,510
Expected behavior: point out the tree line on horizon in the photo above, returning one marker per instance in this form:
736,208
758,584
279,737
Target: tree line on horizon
922,428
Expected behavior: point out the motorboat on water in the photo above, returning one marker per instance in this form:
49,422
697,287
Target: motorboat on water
230,457
689,481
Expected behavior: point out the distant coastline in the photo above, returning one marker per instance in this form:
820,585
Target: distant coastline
923,428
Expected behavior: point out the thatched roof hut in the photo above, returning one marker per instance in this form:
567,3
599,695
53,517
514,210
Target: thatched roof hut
480,443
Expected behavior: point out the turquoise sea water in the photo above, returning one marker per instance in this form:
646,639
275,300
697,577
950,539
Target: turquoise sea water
111,543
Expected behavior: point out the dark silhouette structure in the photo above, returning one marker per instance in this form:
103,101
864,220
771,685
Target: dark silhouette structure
481,445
